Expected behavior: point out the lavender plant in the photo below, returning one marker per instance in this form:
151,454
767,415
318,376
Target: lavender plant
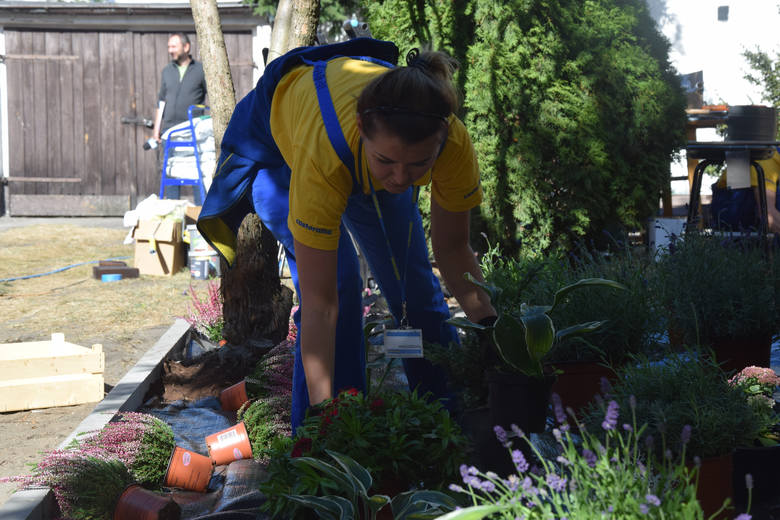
589,478
205,314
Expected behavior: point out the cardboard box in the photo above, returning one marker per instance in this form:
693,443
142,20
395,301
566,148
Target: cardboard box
42,374
191,214
159,249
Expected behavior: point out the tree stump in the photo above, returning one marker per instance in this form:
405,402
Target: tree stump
256,304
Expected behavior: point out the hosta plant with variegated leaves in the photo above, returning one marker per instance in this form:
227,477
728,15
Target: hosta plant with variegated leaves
524,336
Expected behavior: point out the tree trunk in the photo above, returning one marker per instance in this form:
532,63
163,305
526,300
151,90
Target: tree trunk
256,305
211,41
295,25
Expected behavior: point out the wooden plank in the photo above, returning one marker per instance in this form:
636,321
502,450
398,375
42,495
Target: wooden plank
28,117
39,166
124,92
16,88
47,392
93,101
68,137
53,104
40,57
43,179
49,358
77,124
68,205
108,117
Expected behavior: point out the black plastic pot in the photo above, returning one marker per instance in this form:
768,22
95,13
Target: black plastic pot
762,463
518,399
751,123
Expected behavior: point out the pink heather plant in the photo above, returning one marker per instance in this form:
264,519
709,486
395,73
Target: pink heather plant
139,441
205,315
267,415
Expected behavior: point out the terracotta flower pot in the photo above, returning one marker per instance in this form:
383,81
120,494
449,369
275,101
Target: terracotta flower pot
579,382
715,485
188,470
229,444
137,503
233,397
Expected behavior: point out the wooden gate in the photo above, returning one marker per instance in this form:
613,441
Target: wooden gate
77,104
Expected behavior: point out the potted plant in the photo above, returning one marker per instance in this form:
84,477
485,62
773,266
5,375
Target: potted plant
523,337
403,439
720,294
146,446
89,487
634,324
204,314
761,458
141,441
349,484
593,476
687,403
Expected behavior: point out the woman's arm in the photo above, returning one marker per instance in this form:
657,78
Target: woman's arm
454,256
317,278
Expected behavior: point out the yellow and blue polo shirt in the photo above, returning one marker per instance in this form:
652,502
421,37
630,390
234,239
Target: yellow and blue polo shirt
320,183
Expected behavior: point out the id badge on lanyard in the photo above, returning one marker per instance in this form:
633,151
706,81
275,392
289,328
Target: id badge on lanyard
403,342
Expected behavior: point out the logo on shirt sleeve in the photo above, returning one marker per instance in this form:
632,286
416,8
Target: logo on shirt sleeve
322,231
472,192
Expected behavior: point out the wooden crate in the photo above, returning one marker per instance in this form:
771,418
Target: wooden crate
43,374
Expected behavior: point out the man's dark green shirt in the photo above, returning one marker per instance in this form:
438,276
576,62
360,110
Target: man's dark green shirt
179,95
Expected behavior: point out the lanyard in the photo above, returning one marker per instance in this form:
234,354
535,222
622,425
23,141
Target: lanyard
399,275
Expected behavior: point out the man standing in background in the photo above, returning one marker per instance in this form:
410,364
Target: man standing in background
183,84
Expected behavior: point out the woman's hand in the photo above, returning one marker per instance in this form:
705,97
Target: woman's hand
449,238
317,278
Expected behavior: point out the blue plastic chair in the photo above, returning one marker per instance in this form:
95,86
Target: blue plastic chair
192,142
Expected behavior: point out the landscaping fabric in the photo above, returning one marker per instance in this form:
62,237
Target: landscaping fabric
233,489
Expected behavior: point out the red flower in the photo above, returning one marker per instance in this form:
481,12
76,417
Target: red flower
301,447
376,404
351,391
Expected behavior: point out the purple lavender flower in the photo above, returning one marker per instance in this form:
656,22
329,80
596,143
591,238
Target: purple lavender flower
512,483
501,434
464,470
560,416
555,482
743,516
605,386
632,402
589,457
685,435
457,488
528,485
519,460
627,427
748,481
644,509
611,417
563,460
652,499
516,430
488,486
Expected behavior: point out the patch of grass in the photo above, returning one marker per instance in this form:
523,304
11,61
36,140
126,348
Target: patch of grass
72,301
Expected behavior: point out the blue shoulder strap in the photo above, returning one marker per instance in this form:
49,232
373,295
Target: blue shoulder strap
331,120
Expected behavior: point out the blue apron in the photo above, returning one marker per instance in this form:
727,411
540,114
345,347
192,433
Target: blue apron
251,163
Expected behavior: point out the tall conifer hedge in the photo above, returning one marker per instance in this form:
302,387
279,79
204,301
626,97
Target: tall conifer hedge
572,105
